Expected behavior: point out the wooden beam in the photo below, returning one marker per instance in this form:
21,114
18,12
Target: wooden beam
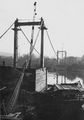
28,23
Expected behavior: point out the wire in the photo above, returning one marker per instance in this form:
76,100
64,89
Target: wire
24,34
27,39
6,31
36,40
51,43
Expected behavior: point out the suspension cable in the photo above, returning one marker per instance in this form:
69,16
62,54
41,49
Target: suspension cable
6,30
51,43
27,39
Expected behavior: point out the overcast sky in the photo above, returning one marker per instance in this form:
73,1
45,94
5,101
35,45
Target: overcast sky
63,18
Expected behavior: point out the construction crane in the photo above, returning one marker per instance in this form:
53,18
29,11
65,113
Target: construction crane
32,34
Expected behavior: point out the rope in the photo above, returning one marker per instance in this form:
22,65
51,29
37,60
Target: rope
6,30
28,39
51,43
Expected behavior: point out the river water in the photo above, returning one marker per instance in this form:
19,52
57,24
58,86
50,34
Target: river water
54,78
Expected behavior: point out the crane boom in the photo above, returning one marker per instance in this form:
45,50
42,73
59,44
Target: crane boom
32,34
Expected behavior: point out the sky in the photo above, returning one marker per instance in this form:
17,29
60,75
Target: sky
63,18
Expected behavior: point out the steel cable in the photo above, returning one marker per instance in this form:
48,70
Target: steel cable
28,39
51,43
6,30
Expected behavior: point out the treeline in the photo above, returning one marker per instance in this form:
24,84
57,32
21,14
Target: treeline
49,63
72,63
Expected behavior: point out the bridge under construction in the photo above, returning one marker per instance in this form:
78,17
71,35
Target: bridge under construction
26,88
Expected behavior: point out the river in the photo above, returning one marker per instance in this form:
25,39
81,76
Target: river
54,78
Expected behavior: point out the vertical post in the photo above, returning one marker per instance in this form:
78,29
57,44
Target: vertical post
57,56
46,78
61,79
64,79
65,55
42,44
57,79
62,56
15,43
